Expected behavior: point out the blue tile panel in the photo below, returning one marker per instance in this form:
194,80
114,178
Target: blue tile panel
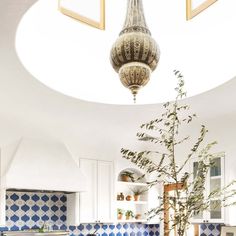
210,230
30,210
131,229
125,229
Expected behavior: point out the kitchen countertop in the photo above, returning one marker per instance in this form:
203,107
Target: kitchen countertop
35,233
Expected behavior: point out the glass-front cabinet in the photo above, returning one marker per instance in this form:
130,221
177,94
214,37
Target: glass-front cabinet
215,180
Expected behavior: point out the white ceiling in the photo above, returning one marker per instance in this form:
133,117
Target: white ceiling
73,59
29,108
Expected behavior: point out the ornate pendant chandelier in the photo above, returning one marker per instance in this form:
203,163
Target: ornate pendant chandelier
135,54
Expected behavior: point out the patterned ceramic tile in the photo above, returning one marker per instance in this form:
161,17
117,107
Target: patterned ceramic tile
30,210
210,230
125,229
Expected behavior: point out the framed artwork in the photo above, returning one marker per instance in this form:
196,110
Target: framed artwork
91,12
228,231
194,7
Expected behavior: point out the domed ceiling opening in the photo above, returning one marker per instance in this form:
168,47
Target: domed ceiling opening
73,58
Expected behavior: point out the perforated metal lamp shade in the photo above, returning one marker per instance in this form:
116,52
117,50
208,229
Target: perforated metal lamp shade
135,54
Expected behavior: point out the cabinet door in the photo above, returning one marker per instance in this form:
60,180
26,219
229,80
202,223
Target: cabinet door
105,191
216,181
200,217
88,199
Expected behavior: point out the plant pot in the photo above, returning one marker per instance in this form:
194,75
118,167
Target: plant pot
128,218
128,198
136,197
125,178
138,216
119,216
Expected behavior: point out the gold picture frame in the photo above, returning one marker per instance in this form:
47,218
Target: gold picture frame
75,15
192,12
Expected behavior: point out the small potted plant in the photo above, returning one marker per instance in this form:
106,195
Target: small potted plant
138,216
129,215
120,214
127,176
138,192
128,198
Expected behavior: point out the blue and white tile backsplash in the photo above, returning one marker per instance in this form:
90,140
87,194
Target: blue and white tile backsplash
126,229
30,210
210,230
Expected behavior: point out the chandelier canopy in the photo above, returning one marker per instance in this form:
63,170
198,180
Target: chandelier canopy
135,54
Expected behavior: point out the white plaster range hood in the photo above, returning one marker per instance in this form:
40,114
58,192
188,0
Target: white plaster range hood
43,165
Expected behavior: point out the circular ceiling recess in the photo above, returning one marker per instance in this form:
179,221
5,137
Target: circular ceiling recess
73,58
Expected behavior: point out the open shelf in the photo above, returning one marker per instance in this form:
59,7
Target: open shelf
132,184
125,189
132,202
132,221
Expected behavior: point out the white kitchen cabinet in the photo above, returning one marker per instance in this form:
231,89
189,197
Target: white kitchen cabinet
88,199
96,204
215,180
105,191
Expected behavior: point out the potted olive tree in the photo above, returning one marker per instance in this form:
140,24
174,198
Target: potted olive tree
165,133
